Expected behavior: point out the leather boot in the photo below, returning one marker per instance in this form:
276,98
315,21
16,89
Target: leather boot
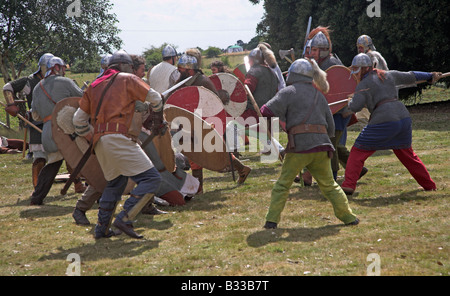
102,228
36,168
127,228
80,217
307,178
363,172
150,209
243,170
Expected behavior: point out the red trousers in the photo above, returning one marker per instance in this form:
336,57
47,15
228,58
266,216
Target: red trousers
407,157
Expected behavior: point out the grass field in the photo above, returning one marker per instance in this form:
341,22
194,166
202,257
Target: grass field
221,233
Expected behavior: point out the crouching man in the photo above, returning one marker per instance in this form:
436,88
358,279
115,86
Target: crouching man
109,104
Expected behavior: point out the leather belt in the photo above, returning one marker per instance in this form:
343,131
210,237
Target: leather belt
382,102
308,128
114,128
111,127
47,118
304,129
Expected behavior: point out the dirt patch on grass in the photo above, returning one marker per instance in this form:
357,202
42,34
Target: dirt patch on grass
442,106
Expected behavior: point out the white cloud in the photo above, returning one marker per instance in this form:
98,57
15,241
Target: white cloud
185,23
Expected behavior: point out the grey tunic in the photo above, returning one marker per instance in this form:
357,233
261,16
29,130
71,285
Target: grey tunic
371,91
267,84
292,104
58,88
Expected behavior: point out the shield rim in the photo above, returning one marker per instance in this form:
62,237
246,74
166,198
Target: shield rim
336,108
221,159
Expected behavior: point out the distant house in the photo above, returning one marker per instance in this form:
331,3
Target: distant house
234,48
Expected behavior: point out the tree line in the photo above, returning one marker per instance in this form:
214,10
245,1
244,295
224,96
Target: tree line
411,35
30,28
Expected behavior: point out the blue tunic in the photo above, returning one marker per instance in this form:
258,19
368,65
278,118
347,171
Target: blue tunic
384,136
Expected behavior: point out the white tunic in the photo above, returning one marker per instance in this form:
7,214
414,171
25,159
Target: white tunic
119,155
162,76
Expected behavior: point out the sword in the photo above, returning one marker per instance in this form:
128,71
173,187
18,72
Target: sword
165,93
338,102
307,33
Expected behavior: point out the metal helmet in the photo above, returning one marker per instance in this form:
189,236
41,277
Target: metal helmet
169,52
120,57
301,70
320,41
188,62
256,55
52,62
366,42
361,60
42,64
301,67
104,62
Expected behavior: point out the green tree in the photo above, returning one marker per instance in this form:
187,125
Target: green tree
411,35
212,52
30,28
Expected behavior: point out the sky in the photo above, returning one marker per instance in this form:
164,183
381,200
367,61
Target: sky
185,24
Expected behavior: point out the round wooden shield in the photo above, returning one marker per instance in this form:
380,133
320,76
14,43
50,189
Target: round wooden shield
197,139
68,147
202,102
236,90
342,84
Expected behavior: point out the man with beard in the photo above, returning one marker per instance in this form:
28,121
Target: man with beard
365,45
320,48
110,124
390,125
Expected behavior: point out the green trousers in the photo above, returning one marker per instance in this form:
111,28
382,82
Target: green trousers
319,166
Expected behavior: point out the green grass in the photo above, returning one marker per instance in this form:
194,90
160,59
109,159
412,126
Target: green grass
220,232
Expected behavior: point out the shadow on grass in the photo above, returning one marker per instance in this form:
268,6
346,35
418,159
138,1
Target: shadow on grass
255,173
382,201
208,201
105,249
267,236
47,209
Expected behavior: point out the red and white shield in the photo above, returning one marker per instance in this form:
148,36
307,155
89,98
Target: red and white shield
240,71
202,102
236,90
342,84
